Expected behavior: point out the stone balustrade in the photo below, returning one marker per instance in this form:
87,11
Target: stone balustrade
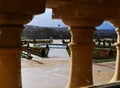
81,15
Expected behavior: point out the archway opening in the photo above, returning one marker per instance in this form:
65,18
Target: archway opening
46,48
104,54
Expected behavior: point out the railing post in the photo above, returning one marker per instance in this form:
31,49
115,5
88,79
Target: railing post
13,15
116,75
10,49
81,45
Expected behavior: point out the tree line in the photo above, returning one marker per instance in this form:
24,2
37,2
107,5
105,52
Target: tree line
100,34
36,32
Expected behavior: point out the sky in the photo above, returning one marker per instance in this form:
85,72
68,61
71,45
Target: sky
45,20
106,25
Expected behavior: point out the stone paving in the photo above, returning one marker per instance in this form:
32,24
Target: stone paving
49,72
45,74
53,72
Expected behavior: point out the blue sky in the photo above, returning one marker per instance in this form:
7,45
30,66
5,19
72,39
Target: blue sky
106,25
46,20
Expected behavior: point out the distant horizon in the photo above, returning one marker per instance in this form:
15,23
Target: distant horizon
48,26
66,27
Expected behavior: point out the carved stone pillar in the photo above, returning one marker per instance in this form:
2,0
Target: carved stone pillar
11,27
81,45
116,75
13,14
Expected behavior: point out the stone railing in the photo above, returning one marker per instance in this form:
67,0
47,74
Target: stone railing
109,85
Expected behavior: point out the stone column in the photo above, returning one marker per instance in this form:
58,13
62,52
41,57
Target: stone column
116,75
11,26
81,45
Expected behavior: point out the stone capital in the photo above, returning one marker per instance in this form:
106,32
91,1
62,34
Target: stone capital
19,12
78,21
85,8
11,27
22,6
15,19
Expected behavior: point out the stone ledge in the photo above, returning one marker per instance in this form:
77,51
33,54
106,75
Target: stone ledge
109,85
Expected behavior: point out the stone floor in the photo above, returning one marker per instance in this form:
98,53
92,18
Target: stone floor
53,72
49,72
45,73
